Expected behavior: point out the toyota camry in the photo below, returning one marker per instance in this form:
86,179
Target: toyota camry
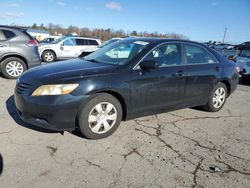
124,80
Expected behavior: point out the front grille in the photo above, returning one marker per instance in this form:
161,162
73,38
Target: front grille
22,87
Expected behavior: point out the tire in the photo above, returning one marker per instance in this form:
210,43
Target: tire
93,118
48,56
217,98
13,67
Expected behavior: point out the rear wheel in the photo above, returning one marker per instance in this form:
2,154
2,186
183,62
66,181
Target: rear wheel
100,117
48,56
217,98
13,67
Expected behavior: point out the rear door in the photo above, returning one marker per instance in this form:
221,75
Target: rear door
81,45
4,43
92,45
203,70
159,88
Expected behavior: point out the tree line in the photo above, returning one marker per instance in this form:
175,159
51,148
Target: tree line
103,34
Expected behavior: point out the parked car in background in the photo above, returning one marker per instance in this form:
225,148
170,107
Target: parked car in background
243,62
67,47
102,45
222,46
109,42
95,93
18,51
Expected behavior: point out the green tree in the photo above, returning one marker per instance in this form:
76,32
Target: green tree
34,26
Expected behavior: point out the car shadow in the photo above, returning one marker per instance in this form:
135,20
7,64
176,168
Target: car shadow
2,76
1,164
11,108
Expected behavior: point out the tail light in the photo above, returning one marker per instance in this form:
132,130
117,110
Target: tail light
32,42
237,70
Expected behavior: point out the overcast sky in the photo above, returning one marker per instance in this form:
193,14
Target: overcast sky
200,20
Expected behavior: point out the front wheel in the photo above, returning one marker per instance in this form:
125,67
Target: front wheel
217,98
100,117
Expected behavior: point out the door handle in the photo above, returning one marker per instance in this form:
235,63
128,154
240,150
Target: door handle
217,68
2,45
179,73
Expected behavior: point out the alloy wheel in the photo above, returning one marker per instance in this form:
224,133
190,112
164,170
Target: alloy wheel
49,56
14,68
219,97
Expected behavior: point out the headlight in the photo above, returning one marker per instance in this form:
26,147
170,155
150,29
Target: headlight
57,89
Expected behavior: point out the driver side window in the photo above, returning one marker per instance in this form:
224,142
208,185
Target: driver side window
165,55
69,42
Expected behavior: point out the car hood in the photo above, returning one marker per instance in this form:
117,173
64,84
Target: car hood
65,70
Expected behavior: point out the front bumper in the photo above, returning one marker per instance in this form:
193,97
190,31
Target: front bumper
49,112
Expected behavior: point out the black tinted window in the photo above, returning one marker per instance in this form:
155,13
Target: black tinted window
93,42
81,42
166,55
197,55
8,34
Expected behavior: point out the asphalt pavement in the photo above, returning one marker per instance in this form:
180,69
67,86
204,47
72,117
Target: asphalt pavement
184,148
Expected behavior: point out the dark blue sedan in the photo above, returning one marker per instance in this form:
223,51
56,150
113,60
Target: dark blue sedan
124,80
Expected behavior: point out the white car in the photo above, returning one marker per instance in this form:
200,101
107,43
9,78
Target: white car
67,47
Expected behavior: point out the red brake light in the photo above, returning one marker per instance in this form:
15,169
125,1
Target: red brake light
237,69
32,42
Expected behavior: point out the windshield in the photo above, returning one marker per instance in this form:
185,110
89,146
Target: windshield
117,53
108,42
245,53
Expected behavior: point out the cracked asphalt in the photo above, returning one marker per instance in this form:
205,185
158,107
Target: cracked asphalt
184,148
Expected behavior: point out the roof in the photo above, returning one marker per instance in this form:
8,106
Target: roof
14,27
37,31
156,39
80,37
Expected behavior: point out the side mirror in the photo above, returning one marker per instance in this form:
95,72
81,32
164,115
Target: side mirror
149,65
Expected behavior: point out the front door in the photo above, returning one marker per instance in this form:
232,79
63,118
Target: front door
159,88
68,49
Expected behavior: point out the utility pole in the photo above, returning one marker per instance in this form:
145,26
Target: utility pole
225,33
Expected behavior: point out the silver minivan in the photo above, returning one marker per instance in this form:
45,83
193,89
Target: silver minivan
67,47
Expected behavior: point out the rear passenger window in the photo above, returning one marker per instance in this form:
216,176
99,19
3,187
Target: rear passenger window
2,36
8,34
81,42
166,55
93,42
197,55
